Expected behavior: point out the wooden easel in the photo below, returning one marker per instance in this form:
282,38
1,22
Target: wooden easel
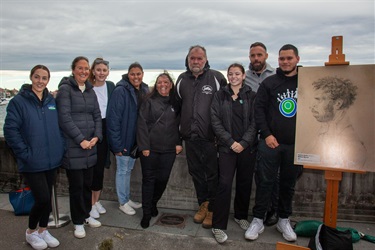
333,177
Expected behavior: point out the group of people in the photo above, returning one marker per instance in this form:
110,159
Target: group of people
243,128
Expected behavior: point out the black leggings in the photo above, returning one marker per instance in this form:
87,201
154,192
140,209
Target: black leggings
40,184
102,161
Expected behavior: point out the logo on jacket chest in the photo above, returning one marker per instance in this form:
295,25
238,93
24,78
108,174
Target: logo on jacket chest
288,103
207,89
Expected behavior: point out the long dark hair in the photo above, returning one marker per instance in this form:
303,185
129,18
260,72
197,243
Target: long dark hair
154,91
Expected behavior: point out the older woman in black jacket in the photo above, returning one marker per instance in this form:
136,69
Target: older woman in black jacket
233,123
158,140
80,121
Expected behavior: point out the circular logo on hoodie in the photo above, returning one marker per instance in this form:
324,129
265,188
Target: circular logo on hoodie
288,107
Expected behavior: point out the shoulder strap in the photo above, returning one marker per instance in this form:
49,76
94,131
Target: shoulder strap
153,125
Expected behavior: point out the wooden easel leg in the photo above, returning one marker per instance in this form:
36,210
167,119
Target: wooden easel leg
330,208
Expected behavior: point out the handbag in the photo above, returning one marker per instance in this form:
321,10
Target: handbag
328,238
134,153
22,200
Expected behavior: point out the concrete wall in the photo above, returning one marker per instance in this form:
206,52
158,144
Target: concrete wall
356,191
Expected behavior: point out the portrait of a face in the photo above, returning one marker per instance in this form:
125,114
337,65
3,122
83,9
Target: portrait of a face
335,117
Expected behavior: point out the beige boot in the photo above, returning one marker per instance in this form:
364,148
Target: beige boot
207,222
202,212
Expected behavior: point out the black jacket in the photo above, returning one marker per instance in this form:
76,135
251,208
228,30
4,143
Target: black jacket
193,102
276,106
221,117
79,119
162,136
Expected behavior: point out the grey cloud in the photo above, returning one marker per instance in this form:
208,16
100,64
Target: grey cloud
159,33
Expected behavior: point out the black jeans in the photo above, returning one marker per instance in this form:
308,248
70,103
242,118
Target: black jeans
243,166
271,162
156,169
201,156
80,194
40,184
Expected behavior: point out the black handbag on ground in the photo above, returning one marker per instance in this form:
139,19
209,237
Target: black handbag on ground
328,238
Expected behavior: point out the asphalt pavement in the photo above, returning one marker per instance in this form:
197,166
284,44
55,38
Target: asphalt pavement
171,229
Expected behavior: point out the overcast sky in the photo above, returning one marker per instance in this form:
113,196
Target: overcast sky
158,33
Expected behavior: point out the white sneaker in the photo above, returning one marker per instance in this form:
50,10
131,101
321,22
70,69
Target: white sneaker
219,235
94,213
244,224
79,231
92,222
36,241
134,204
100,208
283,226
256,227
127,209
49,239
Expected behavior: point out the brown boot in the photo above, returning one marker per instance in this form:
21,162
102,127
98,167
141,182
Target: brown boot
207,222
201,214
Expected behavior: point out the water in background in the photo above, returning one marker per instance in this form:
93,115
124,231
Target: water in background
13,79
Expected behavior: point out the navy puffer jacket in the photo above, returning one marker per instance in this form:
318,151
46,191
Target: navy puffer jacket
32,131
79,119
122,113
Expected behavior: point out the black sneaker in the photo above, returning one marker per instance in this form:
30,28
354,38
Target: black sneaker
271,218
154,211
145,222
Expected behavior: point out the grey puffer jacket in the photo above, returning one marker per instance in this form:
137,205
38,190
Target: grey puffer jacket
79,119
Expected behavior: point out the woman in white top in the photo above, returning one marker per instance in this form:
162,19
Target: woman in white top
103,89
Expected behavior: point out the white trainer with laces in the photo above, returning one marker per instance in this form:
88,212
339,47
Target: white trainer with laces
100,208
256,227
49,239
127,209
92,222
79,231
219,235
283,226
36,241
134,204
94,213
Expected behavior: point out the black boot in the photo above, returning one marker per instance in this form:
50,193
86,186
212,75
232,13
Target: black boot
154,211
145,222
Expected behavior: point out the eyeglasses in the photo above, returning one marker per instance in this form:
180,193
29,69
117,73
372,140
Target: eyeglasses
98,61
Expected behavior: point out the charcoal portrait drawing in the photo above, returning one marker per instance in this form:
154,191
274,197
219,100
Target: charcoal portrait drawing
339,127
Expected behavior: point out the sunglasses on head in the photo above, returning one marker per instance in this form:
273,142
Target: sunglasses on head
98,61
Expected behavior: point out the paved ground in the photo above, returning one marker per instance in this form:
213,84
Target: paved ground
124,232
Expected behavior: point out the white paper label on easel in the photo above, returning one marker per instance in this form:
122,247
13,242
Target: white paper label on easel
308,158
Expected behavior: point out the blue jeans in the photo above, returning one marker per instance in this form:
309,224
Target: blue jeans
125,165
271,164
